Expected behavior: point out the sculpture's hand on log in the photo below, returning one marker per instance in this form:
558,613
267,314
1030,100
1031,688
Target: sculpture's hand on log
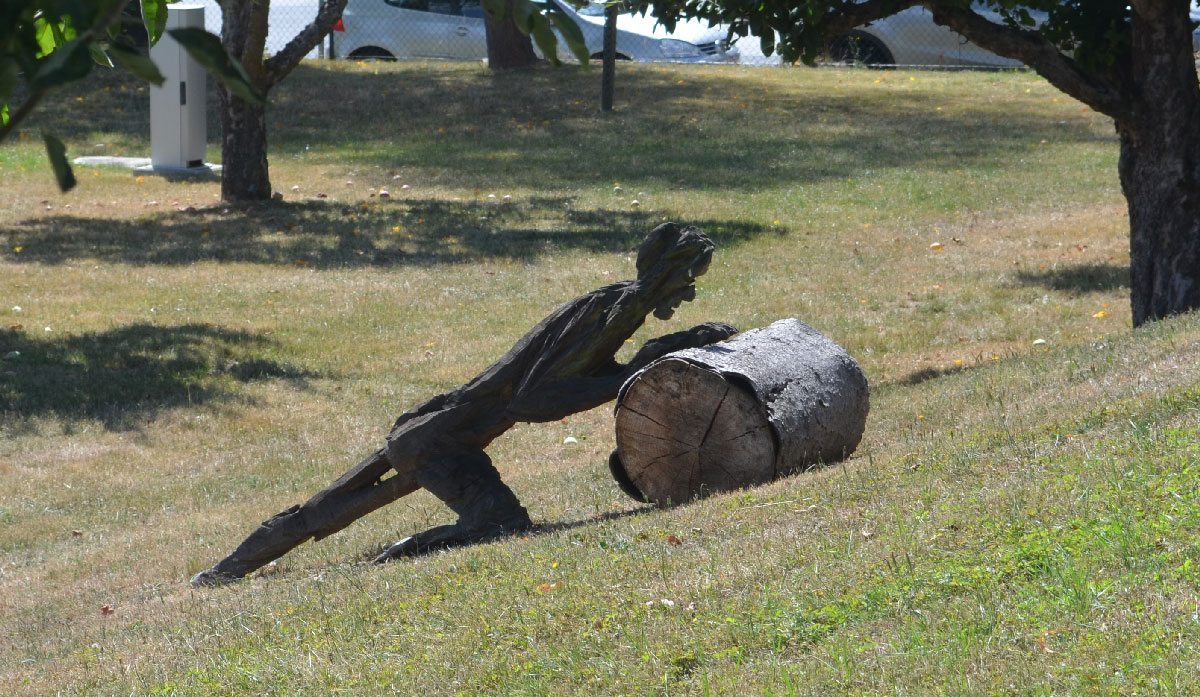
697,336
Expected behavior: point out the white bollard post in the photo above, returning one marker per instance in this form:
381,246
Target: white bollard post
178,130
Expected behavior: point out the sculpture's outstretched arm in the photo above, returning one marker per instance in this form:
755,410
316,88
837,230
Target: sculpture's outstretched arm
552,401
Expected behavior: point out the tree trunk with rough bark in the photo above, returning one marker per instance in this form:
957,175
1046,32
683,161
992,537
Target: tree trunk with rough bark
765,404
1160,169
507,47
1153,96
244,172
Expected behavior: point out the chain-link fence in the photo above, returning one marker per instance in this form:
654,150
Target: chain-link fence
454,29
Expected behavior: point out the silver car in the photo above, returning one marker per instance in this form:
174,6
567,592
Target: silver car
911,38
390,29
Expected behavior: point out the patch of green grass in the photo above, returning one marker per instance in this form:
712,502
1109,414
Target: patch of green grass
1019,520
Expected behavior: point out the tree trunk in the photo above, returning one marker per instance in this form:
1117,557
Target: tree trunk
765,404
1151,92
507,47
244,26
1162,188
244,175
1160,170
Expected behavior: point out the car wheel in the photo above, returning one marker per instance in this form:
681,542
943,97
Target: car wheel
859,48
598,56
371,53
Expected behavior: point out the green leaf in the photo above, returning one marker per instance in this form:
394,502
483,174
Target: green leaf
67,63
62,31
523,13
571,34
543,33
142,67
45,31
208,52
154,16
99,57
766,42
57,152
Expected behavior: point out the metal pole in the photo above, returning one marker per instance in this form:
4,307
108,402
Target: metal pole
608,72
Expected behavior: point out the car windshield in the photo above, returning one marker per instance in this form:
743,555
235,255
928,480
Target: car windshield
596,9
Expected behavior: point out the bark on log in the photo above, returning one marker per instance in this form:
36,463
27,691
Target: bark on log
765,404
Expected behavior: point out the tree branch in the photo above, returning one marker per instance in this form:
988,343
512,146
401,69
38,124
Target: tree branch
799,31
279,65
244,35
23,112
854,15
87,37
256,41
1034,50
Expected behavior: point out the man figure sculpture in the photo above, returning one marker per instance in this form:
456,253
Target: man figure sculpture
565,364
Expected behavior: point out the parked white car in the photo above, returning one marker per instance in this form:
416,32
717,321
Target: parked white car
388,29
910,38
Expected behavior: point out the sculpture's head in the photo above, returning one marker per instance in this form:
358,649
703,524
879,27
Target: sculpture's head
669,261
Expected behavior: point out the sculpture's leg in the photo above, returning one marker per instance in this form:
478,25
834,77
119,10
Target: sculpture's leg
470,485
355,494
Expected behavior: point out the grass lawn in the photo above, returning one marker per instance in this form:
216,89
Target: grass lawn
1020,519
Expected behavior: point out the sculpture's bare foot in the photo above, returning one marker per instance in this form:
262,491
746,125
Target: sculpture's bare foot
212,577
444,536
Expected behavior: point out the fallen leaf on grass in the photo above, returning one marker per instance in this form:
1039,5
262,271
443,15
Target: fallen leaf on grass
547,587
107,609
1041,639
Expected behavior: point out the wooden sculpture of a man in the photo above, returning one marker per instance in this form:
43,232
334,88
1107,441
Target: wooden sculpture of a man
565,364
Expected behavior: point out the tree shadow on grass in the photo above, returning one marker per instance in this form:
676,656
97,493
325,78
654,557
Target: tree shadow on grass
329,234
1078,280
707,128
123,375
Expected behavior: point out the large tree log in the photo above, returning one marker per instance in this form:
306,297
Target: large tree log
762,405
